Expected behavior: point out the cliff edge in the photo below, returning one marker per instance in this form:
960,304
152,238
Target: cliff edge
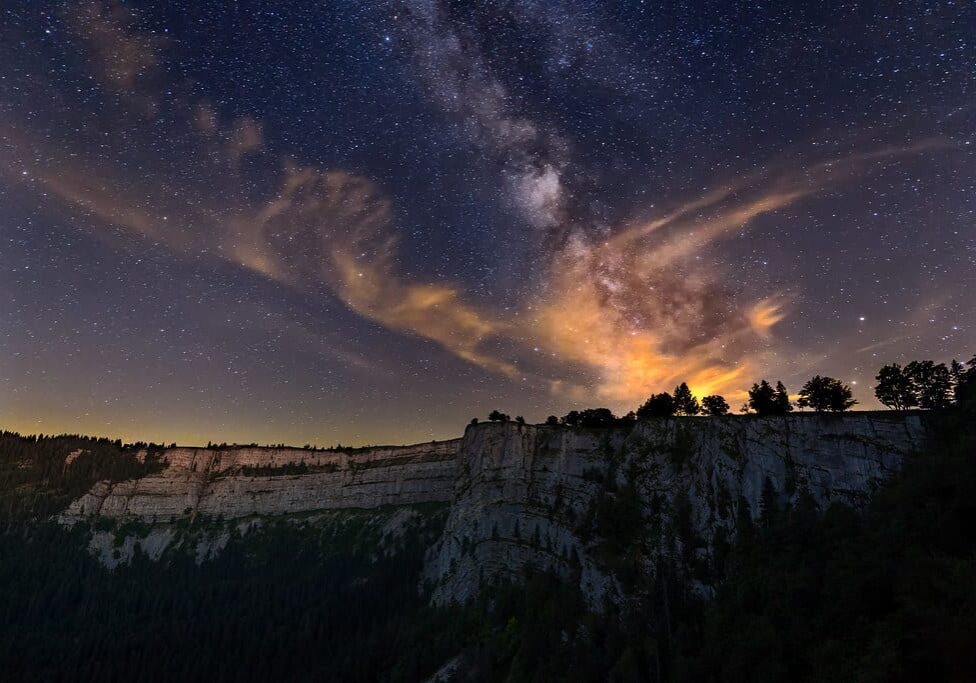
582,502
547,497
239,482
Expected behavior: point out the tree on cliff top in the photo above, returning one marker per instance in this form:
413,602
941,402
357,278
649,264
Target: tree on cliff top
684,402
715,405
658,405
591,417
965,389
597,417
826,393
764,400
932,383
895,388
783,404
924,384
498,416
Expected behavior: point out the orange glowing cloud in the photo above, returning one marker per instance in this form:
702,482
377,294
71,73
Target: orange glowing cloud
623,317
617,319
764,315
335,227
433,311
612,329
629,364
641,314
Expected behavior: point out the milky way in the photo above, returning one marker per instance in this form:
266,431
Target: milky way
369,222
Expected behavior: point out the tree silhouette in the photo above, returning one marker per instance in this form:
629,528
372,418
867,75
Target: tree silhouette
715,405
552,420
826,393
762,398
768,503
684,402
498,416
965,388
932,383
591,417
658,405
894,388
783,404
956,371
597,417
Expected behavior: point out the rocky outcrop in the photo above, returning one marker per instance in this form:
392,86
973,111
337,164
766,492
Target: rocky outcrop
538,496
527,495
238,482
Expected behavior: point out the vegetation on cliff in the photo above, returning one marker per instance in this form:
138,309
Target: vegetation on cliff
40,475
883,594
920,384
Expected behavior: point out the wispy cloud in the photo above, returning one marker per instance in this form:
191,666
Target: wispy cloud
618,318
615,317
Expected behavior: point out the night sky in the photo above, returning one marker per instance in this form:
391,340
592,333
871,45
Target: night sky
321,222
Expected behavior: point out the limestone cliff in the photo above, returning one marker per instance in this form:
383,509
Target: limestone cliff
239,482
537,496
526,495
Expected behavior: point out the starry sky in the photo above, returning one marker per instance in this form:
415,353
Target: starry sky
359,222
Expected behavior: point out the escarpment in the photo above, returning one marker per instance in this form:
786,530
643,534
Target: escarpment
239,482
576,501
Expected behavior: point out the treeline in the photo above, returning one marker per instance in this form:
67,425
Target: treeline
338,448
36,480
920,384
926,384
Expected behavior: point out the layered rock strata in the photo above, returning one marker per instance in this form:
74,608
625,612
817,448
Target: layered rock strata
526,495
238,482
531,496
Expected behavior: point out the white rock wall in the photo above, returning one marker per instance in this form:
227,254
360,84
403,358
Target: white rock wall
523,491
520,494
207,481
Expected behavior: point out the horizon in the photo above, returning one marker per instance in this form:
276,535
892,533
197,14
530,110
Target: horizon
222,443
390,215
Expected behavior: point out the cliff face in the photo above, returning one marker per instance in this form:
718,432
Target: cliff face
538,496
528,496
239,482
